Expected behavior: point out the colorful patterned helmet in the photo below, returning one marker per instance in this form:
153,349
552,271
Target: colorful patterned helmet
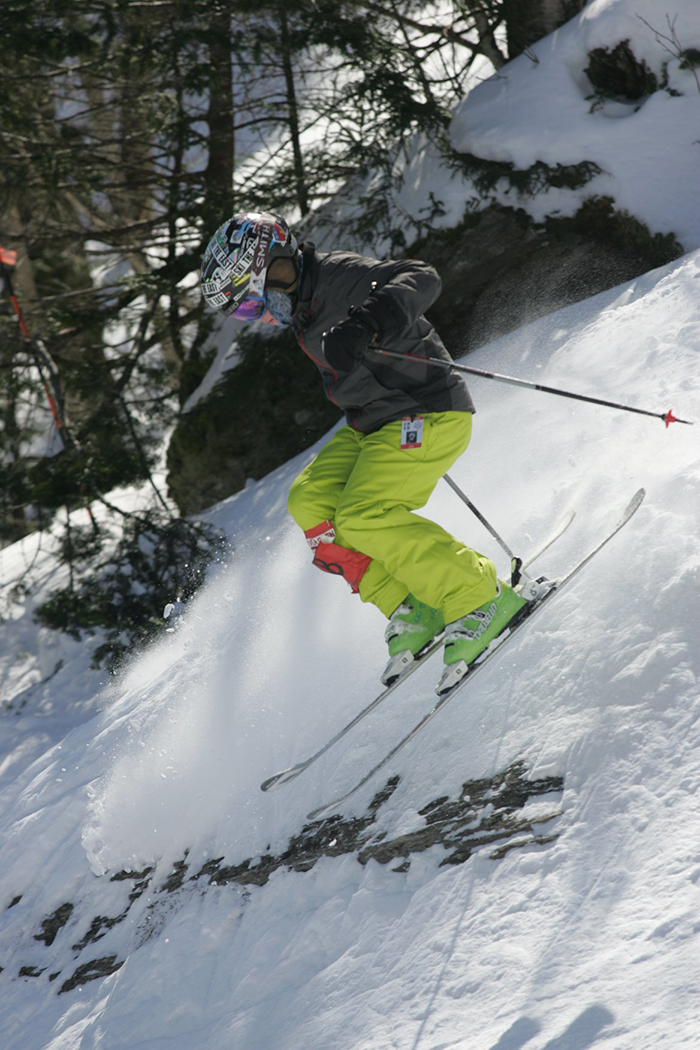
235,263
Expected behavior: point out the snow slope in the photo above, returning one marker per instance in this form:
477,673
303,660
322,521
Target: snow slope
583,934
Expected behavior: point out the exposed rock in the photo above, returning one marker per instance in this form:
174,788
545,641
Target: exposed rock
501,270
101,924
54,923
92,971
487,811
616,73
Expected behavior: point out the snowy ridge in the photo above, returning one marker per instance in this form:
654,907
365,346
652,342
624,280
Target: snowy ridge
647,149
542,108
566,917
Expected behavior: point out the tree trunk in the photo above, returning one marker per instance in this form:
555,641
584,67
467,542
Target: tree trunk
527,21
219,170
299,175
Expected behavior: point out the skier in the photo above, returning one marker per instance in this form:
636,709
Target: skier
406,424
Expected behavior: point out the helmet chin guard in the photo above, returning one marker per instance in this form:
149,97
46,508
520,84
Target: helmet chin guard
237,258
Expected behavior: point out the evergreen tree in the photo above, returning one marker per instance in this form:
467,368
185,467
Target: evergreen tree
129,129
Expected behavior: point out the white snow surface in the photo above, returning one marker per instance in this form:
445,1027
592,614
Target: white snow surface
590,939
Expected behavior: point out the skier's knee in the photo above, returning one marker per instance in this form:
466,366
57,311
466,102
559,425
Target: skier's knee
351,525
344,520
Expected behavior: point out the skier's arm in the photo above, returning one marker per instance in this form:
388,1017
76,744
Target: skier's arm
404,291
401,292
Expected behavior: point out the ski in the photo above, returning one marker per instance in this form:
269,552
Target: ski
286,775
489,655
555,534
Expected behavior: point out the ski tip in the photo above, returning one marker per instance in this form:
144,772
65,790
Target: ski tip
283,777
317,814
272,782
634,503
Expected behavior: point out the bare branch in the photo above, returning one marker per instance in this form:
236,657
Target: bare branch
672,45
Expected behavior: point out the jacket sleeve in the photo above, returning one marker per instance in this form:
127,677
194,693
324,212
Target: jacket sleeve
405,290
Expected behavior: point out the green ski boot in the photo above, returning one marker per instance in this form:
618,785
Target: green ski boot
412,628
468,637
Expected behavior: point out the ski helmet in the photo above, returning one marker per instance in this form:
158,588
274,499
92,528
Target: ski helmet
235,263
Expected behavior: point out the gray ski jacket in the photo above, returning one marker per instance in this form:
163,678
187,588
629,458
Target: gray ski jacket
377,390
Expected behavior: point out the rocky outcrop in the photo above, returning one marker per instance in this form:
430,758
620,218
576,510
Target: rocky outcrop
501,270
491,815
617,73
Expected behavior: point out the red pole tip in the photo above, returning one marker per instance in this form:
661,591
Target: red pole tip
669,418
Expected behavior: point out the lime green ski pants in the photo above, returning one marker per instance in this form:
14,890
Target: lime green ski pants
369,487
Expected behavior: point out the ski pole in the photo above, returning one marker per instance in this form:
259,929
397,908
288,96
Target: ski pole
477,513
667,417
517,568
43,360
7,259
